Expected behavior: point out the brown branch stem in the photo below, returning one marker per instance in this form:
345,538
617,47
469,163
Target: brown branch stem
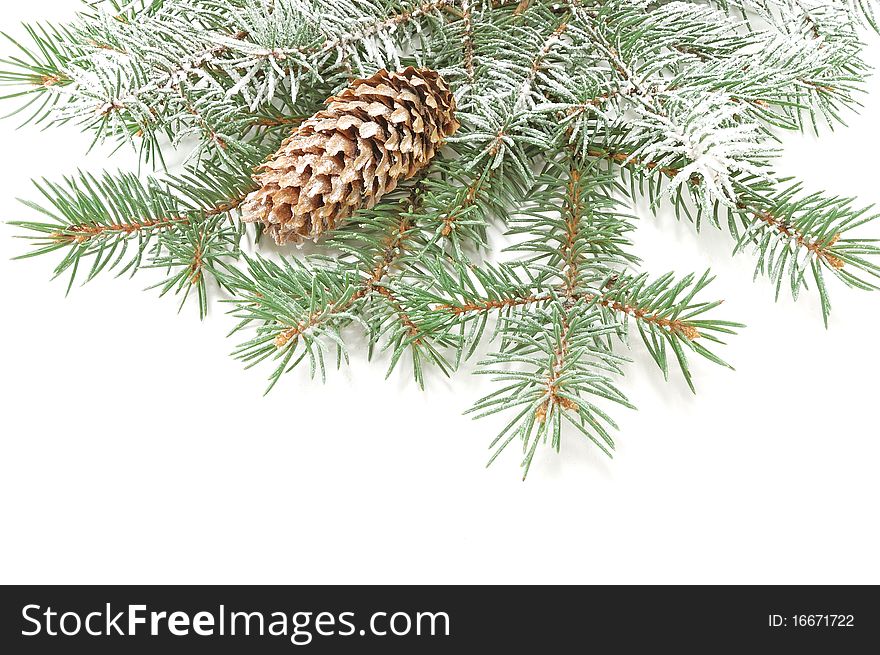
573,211
470,198
293,332
818,247
554,399
83,232
677,326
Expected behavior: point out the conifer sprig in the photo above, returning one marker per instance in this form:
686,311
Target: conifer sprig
120,223
568,109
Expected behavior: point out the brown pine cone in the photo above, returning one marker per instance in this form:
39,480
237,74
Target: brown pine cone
374,134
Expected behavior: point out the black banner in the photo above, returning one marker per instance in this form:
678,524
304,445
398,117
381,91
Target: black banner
418,619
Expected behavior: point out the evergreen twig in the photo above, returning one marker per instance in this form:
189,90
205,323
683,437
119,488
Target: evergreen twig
567,108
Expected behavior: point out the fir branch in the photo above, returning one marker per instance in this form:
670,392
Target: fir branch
821,248
681,99
779,225
388,23
118,222
290,310
194,253
556,374
677,327
467,198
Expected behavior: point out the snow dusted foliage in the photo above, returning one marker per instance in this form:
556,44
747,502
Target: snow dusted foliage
186,68
272,57
681,96
703,132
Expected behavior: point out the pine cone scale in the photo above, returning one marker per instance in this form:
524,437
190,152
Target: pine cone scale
376,133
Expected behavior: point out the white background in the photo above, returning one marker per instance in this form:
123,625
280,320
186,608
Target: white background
135,450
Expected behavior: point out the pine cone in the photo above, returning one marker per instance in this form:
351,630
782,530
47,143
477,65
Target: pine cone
377,132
